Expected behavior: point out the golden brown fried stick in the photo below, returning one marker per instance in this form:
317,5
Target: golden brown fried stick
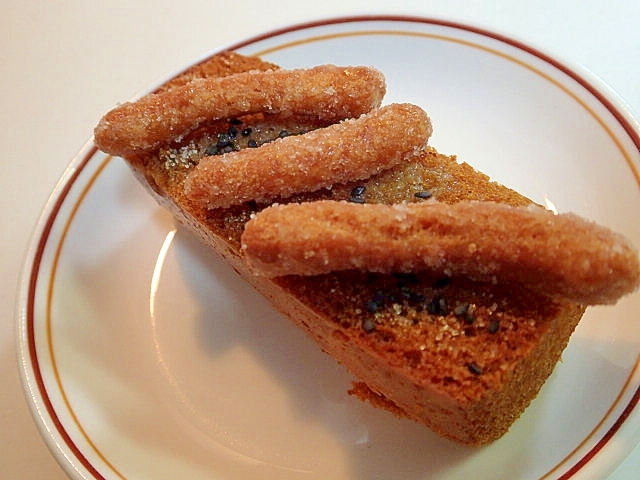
351,150
327,92
559,255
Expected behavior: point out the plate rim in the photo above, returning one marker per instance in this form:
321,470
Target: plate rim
33,385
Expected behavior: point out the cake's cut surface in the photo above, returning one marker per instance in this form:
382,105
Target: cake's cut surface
463,357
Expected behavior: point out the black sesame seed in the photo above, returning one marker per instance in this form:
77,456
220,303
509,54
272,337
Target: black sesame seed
442,305
394,297
379,297
283,133
246,132
212,150
474,368
417,297
235,121
494,326
232,132
461,309
372,306
376,302
368,325
437,306
424,195
405,292
252,143
224,140
432,307
358,191
409,295
357,194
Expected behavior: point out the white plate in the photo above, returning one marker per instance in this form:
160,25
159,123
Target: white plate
145,357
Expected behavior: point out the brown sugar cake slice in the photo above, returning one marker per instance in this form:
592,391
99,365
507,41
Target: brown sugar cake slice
465,358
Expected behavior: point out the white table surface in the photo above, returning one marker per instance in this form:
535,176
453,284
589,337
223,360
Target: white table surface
64,64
